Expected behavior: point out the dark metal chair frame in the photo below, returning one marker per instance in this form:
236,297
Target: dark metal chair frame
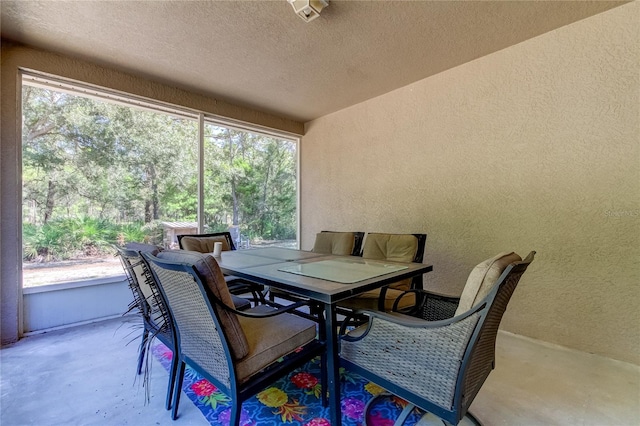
238,392
153,310
479,356
236,285
225,234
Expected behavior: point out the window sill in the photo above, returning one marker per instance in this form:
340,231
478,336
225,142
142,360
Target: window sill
74,284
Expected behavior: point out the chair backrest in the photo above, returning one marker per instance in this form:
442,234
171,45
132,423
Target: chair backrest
396,248
143,247
482,279
340,243
203,243
146,294
479,358
201,334
216,290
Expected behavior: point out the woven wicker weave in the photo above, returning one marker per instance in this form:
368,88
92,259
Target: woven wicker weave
206,326
482,358
150,305
437,365
199,337
424,361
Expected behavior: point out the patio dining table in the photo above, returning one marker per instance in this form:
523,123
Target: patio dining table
325,279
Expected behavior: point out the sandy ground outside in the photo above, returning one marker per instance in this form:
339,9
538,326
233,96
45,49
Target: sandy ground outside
37,274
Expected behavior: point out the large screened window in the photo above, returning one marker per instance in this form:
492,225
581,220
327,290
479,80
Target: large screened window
100,169
250,186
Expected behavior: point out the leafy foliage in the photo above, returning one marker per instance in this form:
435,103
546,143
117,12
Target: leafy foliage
61,239
97,173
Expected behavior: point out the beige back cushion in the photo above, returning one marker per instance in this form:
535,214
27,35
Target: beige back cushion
138,270
397,248
204,244
340,243
482,279
393,247
212,277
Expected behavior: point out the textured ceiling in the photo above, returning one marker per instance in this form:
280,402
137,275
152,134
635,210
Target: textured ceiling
259,54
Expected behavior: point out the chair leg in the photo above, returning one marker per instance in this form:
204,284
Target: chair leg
177,390
369,404
473,418
236,411
172,380
323,380
143,348
404,415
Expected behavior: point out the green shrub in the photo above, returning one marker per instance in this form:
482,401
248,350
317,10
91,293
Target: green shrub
69,238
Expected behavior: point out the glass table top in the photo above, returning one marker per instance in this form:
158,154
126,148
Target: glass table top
344,271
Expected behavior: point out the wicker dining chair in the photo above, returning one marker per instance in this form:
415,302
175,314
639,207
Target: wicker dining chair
150,304
392,247
438,365
204,243
340,243
235,350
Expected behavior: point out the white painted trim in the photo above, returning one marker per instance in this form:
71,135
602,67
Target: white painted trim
76,324
74,284
200,173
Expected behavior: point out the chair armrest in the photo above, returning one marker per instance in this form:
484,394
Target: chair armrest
401,320
237,285
429,306
278,309
421,356
416,286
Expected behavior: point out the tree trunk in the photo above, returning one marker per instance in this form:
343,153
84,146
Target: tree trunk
51,192
148,211
234,198
151,204
263,204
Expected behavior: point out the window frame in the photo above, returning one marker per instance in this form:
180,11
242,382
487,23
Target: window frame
202,118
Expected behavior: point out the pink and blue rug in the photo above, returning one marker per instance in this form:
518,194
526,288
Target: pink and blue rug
293,400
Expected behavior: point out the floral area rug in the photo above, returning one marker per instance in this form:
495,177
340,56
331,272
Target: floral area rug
295,400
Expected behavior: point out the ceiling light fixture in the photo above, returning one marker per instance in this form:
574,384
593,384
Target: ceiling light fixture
308,10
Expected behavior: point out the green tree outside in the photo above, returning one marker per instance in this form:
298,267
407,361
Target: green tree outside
98,173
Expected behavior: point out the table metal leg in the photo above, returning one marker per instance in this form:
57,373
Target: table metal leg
333,364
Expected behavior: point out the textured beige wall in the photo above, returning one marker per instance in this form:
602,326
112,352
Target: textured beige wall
535,147
14,57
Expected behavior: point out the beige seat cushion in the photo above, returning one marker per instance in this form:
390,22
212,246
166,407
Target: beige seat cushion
212,277
204,244
271,338
369,300
482,279
340,243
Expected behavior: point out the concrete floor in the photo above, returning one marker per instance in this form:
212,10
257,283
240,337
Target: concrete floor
85,375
